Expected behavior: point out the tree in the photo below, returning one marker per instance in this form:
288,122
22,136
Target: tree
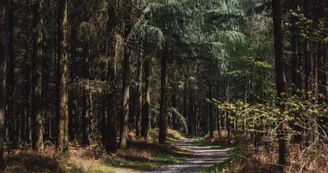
146,107
3,11
140,101
280,71
112,73
37,138
63,72
163,122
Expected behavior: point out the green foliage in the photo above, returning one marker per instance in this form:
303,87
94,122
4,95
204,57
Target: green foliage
181,119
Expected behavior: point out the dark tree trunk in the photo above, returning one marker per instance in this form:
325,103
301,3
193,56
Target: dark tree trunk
210,112
307,56
11,78
294,51
3,47
191,112
111,112
37,141
280,72
139,87
63,73
174,105
218,115
86,97
163,124
146,113
27,88
73,119
125,98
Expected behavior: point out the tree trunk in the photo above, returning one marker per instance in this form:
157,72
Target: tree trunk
146,113
210,112
37,141
163,124
125,98
191,112
111,112
280,72
73,124
307,56
63,72
11,78
139,85
218,115
86,97
3,47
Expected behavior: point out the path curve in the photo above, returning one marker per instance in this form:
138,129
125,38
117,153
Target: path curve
202,158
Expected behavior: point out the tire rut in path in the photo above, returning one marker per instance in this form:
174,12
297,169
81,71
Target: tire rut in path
202,158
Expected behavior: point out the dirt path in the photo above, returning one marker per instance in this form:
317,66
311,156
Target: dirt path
203,157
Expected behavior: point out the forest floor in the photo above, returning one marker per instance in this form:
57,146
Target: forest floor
178,155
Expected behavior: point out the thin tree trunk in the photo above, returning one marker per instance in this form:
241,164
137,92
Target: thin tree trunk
11,77
307,56
3,47
37,141
280,72
146,107
210,112
73,124
63,72
139,85
191,112
86,98
218,115
163,124
125,99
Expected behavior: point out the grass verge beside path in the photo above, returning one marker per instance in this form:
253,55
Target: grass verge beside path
235,154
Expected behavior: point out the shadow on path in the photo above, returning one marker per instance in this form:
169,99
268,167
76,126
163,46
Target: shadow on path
202,158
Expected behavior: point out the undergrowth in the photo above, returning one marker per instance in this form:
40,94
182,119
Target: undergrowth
141,155
245,158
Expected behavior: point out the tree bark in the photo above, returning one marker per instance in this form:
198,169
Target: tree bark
73,124
11,78
86,97
307,56
280,73
37,136
111,113
139,86
125,98
146,107
210,112
163,124
3,47
63,72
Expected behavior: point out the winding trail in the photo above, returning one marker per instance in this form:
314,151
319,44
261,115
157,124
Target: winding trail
202,158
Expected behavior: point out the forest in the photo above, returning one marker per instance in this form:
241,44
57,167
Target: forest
168,86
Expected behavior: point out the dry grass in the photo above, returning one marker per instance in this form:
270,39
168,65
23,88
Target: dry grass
313,159
22,161
140,155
